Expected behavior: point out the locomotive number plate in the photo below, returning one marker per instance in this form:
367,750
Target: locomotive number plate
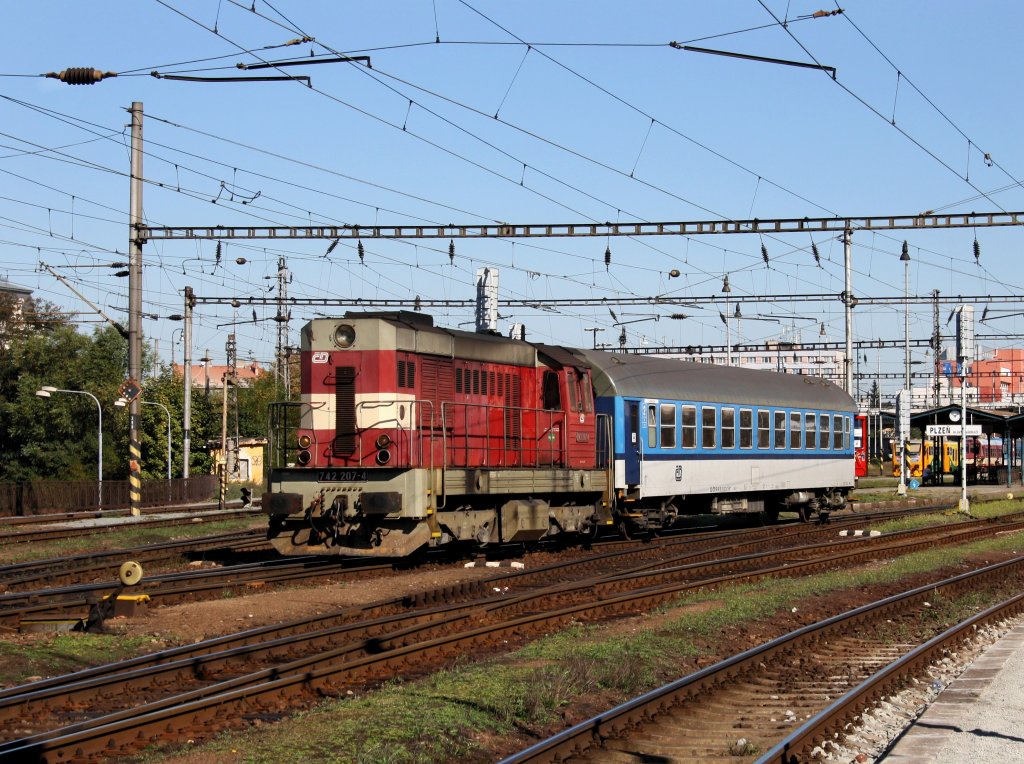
341,476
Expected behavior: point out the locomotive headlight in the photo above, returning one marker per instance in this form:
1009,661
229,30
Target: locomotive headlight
304,441
345,335
383,457
304,457
383,441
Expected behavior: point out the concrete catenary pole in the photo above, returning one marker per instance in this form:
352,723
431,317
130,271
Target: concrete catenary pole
186,437
135,310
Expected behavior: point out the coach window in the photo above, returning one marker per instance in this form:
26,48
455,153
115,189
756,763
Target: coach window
652,425
689,414
837,431
794,430
824,432
552,399
708,422
764,428
809,430
780,429
746,428
728,428
668,425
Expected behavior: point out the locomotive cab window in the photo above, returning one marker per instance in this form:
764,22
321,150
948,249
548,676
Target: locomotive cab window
668,425
824,432
809,430
728,428
764,432
552,399
689,416
708,423
780,429
794,430
746,428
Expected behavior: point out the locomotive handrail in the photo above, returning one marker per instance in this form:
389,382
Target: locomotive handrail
554,417
415,456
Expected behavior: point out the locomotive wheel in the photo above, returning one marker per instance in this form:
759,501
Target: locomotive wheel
130,573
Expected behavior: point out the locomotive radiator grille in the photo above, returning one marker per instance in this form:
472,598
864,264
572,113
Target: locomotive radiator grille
344,411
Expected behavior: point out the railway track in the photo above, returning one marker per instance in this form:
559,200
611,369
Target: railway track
794,696
34,574
74,600
52,532
193,691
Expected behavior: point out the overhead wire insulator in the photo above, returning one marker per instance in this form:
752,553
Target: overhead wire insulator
451,251
417,303
330,247
817,256
361,252
764,253
607,257
217,254
80,75
977,252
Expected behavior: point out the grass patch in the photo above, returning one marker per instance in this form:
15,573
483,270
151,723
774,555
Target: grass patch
64,653
980,509
451,715
126,538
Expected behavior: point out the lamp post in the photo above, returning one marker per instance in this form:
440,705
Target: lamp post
46,391
905,259
725,317
122,402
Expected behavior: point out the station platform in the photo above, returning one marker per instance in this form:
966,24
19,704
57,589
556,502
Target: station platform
977,718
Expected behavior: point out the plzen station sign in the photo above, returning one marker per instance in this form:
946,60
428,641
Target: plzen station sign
952,430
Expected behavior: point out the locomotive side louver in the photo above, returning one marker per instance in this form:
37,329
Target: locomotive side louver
344,411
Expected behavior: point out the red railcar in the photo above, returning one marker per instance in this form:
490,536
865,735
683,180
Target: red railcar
860,445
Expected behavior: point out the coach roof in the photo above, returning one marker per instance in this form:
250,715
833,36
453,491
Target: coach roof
642,376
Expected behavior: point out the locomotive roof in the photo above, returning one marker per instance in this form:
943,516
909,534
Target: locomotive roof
644,376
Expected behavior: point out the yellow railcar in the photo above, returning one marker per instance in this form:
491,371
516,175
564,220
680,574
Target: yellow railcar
921,457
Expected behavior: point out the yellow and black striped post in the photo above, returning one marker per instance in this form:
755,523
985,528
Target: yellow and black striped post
134,478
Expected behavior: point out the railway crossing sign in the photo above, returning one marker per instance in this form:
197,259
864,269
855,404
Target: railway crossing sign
952,430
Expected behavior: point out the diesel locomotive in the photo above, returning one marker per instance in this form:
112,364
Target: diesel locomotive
410,436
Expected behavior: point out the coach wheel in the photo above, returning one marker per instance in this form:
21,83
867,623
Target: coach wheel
805,513
130,573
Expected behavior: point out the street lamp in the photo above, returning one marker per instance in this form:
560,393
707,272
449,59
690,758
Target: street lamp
725,319
122,402
46,391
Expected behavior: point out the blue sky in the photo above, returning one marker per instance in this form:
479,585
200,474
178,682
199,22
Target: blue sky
527,112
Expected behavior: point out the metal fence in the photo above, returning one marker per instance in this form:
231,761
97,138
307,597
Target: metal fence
38,497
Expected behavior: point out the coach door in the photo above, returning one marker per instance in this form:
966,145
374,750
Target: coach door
632,445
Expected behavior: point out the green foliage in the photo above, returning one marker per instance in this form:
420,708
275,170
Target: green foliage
56,438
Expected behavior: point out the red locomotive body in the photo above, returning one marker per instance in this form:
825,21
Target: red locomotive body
400,419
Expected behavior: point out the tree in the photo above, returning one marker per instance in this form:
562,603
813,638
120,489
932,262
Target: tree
875,396
56,437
